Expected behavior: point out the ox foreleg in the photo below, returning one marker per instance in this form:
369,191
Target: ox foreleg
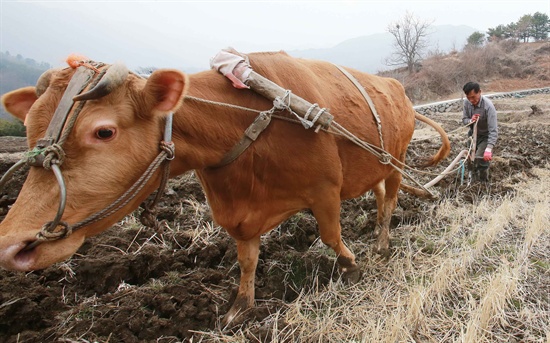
327,214
247,254
380,193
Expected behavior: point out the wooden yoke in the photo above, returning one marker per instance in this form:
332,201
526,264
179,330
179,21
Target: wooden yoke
282,100
272,91
236,68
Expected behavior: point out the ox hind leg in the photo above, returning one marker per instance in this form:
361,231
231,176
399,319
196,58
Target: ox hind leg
327,214
386,201
247,254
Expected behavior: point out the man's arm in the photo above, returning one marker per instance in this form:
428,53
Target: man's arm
492,125
466,113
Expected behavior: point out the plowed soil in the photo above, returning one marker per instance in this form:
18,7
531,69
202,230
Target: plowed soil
132,284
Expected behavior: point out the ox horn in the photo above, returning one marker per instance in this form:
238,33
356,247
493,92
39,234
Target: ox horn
113,78
44,81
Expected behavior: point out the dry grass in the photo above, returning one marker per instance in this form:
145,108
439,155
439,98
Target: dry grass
486,280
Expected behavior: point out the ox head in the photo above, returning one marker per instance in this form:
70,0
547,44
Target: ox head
115,137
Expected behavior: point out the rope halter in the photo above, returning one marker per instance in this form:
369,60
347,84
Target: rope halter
50,155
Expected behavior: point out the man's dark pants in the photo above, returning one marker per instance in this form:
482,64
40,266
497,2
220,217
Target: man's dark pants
481,166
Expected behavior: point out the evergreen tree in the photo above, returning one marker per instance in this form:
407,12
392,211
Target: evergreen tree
499,33
540,26
476,39
523,28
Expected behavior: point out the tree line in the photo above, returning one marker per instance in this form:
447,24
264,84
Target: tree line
530,27
18,71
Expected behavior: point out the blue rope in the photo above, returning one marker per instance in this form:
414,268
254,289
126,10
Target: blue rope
462,163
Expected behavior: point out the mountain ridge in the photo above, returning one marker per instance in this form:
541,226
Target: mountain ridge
367,53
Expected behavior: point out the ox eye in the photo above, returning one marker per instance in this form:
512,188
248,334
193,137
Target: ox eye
105,133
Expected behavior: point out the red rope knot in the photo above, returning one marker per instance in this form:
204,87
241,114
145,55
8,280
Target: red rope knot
169,148
54,154
52,233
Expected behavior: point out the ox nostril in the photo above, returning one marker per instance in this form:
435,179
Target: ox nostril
24,256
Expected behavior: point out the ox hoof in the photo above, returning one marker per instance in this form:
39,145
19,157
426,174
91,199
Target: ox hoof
230,319
352,275
382,250
234,315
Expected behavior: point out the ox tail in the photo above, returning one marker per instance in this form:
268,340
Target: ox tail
445,148
443,152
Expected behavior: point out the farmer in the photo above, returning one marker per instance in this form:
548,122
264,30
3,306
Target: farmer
480,109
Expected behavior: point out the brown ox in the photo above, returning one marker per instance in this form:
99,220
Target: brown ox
287,169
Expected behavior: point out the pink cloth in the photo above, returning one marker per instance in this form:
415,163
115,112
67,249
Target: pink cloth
232,65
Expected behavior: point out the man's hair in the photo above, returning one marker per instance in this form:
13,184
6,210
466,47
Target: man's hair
471,86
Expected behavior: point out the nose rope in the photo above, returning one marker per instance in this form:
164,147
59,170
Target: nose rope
148,216
48,233
51,232
54,154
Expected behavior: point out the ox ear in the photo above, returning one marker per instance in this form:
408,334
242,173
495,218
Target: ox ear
19,101
165,89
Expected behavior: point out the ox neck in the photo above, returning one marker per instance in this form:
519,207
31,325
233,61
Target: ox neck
205,132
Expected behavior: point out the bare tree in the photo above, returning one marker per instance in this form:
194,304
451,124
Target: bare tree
411,39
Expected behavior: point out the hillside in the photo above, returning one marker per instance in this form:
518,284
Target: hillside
16,72
498,67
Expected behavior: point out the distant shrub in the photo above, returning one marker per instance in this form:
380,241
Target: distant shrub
443,74
12,128
509,45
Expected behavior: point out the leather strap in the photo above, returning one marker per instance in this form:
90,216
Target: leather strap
368,99
250,135
78,82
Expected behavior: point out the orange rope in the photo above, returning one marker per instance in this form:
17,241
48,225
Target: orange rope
75,61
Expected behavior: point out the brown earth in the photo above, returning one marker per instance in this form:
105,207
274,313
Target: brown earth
131,284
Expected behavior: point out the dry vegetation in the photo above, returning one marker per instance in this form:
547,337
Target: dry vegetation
471,267
498,67
464,273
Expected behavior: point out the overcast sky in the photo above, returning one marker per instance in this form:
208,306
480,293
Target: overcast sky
185,34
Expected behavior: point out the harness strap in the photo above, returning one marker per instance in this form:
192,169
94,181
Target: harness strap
368,99
78,82
250,135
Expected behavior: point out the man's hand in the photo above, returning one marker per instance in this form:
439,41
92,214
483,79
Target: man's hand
475,117
487,155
